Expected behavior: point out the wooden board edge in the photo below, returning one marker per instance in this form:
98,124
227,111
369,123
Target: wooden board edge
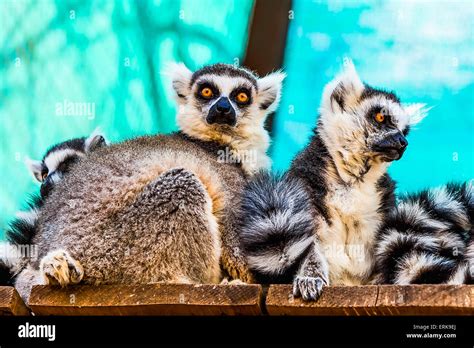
13,303
194,306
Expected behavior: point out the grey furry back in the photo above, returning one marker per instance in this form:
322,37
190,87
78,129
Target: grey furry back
277,226
91,214
429,238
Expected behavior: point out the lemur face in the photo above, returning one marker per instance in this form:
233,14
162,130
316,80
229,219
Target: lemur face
223,97
223,93
59,158
361,121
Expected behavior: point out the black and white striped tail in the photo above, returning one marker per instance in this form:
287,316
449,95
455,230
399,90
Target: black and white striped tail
23,227
277,228
428,238
20,233
10,263
6,274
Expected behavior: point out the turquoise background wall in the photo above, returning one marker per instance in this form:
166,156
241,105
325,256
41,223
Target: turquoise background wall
110,54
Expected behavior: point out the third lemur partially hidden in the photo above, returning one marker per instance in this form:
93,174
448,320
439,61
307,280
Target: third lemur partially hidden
50,170
316,225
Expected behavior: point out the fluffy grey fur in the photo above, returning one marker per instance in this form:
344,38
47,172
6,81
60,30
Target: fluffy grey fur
337,190
156,208
429,238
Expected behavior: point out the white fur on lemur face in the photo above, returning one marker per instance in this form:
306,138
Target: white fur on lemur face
229,105
363,126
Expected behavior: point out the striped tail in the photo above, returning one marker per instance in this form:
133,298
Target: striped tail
428,238
9,264
6,274
21,232
277,228
23,228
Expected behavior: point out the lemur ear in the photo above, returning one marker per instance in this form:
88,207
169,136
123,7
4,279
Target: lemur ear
180,78
35,168
95,141
345,90
416,112
269,90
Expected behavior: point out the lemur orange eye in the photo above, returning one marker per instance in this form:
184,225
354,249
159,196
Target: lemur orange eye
206,92
242,97
44,176
379,117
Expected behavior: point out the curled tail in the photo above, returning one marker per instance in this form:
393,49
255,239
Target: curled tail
174,221
428,238
277,228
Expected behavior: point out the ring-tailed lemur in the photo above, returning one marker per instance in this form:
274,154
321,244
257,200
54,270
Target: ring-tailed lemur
428,238
317,224
48,171
161,208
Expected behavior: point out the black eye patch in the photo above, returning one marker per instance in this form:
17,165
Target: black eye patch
237,96
203,85
381,117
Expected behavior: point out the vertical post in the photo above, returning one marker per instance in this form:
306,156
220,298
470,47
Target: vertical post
267,38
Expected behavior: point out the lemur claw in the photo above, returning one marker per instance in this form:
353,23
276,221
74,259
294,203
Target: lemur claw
226,281
309,288
58,267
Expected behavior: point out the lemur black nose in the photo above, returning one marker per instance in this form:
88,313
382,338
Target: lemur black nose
391,147
392,142
223,105
402,141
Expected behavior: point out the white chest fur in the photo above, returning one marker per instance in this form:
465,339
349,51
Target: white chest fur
348,241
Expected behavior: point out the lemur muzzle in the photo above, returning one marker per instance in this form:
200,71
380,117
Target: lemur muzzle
222,112
392,146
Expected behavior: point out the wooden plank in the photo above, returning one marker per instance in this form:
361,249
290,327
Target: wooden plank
335,300
376,300
426,300
11,303
180,299
149,299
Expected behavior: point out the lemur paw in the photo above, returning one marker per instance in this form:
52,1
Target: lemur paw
226,281
58,267
309,288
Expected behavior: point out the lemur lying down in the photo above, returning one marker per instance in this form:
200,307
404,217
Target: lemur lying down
429,238
317,224
161,208
48,171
